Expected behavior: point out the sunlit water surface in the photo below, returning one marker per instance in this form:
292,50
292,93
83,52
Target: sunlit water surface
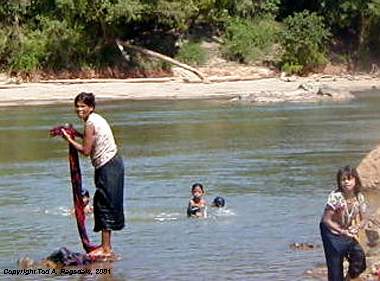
273,164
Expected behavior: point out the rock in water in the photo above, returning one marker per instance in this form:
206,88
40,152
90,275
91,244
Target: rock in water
369,170
25,262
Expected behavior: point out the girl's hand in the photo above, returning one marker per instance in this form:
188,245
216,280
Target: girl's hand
353,229
347,233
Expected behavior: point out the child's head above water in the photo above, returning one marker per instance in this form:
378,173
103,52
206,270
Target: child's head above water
85,196
218,202
197,190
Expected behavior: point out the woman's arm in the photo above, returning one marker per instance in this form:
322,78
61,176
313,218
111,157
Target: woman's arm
88,140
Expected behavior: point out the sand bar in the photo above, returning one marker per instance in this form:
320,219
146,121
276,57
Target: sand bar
63,91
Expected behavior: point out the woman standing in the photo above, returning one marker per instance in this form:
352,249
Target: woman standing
99,144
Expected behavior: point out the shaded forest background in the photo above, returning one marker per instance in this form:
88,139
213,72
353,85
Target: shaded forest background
72,38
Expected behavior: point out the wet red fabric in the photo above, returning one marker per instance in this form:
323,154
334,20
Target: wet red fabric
76,183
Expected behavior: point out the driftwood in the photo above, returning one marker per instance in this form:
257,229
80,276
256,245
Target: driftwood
154,54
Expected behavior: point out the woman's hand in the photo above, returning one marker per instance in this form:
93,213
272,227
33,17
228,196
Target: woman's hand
65,135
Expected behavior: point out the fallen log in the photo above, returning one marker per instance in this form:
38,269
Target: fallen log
154,54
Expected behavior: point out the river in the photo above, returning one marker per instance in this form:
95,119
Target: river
273,164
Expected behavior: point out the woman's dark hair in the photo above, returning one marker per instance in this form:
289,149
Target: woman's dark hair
348,172
86,98
195,185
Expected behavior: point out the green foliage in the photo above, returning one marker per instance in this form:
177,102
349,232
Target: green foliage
192,53
304,42
58,35
247,9
126,11
374,7
29,54
292,68
247,41
4,38
174,13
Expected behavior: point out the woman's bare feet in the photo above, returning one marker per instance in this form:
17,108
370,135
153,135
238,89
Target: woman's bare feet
103,255
98,252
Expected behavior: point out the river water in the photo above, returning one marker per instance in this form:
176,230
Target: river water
274,165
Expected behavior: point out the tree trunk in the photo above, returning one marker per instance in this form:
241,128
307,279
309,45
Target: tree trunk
159,56
360,49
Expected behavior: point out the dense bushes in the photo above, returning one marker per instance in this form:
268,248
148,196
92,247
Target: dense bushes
303,40
192,53
247,41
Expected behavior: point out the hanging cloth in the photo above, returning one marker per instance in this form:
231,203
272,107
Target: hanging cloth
76,183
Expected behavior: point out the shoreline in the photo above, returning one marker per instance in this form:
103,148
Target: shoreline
259,90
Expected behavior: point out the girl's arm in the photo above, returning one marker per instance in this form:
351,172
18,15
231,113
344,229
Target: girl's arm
88,140
189,209
327,219
363,218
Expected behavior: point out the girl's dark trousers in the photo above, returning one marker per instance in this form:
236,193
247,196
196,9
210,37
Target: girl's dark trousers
338,247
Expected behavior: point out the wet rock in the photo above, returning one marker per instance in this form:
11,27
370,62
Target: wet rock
25,262
285,78
369,170
327,91
303,246
373,237
309,87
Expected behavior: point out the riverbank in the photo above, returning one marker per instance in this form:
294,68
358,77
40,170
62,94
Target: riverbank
240,89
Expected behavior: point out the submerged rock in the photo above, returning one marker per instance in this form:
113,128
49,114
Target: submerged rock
303,246
307,92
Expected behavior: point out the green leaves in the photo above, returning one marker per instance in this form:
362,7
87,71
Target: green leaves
303,41
247,41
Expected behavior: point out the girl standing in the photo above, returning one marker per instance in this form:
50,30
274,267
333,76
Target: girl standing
343,217
99,144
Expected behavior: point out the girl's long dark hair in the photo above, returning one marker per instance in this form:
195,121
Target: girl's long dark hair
349,172
195,185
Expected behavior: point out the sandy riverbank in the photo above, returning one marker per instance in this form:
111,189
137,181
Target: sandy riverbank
262,90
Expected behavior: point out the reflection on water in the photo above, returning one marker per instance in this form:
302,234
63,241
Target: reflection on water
273,164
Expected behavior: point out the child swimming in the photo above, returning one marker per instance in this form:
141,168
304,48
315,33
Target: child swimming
218,202
197,205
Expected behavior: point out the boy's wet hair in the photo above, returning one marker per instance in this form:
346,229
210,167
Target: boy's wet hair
86,98
348,172
85,193
219,202
195,185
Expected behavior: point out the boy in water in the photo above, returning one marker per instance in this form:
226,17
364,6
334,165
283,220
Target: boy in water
218,202
88,208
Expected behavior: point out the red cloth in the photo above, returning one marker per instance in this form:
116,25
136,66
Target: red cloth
76,183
